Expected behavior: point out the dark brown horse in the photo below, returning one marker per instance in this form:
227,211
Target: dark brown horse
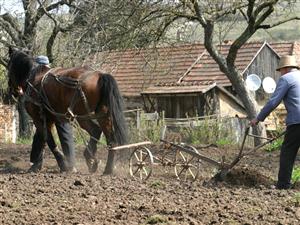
90,97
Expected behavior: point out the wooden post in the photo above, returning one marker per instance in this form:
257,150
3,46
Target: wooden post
138,123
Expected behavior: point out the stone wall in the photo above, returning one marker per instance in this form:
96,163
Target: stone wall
8,123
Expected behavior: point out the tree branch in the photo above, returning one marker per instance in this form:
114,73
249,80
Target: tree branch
264,16
11,27
268,26
250,15
199,13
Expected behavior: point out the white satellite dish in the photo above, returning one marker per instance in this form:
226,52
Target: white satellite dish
253,82
269,85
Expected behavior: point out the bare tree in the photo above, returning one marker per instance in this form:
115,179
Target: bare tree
22,32
254,14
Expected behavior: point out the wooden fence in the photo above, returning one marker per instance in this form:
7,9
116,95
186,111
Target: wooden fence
231,127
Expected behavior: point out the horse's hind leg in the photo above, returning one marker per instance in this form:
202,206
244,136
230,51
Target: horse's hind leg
106,126
91,149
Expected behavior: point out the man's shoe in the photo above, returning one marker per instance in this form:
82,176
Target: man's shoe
283,187
35,168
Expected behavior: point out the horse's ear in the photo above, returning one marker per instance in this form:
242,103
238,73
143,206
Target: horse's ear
10,50
27,52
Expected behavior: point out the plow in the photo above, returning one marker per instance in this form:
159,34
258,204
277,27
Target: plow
185,159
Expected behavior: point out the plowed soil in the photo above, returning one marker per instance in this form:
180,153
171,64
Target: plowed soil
49,197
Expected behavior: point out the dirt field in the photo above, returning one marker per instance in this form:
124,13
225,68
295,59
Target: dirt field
50,197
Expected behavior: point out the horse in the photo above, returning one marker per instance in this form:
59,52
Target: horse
90,97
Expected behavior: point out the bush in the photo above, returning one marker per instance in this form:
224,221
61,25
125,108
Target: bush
276,144
208,131
149,130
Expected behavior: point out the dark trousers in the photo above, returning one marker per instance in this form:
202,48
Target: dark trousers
65,133
288,155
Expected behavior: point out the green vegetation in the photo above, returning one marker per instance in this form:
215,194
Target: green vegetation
209,131
158,184
156,219
224,142
24,140
146,130
276,144
296,199
296,174
80,137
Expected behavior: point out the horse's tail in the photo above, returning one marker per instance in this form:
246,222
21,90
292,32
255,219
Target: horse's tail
111,97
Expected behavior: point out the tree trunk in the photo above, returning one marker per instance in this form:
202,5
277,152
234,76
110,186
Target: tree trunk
229,69
24,128
249,103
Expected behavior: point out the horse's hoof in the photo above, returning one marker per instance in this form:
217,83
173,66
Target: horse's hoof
62,167
107,174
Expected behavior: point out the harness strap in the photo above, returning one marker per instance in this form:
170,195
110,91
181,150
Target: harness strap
43,101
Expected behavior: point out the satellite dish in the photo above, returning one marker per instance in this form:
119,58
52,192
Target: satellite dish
269,85
253,82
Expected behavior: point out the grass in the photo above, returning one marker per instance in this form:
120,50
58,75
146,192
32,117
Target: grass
296,174
156,219
24,140
296,199
157,184
224,142
275,145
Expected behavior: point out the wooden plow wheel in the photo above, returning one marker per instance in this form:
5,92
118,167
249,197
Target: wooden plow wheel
141,163
187,166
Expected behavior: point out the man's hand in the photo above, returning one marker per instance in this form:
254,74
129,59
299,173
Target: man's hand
253,122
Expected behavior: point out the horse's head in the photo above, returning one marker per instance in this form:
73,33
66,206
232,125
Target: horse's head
19,67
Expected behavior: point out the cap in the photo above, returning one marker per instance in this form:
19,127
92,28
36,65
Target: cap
41,59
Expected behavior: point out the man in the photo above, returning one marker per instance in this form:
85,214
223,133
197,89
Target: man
64,131
288,90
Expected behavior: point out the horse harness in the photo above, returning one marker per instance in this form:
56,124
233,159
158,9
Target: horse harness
43,102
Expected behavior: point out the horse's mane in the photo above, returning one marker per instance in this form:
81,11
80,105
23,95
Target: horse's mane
19,66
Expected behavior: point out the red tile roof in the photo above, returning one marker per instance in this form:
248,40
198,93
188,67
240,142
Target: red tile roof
138,69
180,88
207,69
287,48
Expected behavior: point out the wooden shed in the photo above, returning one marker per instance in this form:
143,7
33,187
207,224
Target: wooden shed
179,100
